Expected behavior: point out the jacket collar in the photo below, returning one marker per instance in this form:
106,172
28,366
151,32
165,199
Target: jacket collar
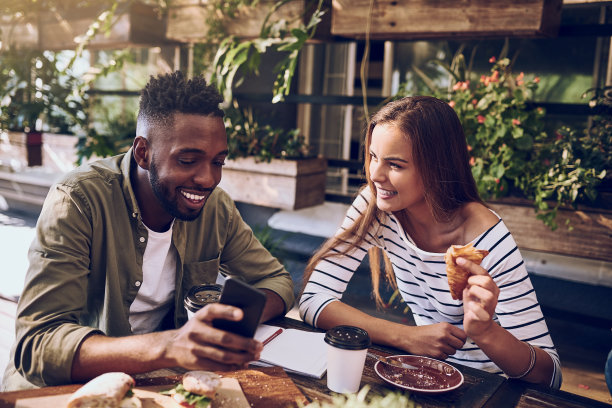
127,168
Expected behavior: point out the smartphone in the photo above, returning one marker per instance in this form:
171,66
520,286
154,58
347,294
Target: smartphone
248,298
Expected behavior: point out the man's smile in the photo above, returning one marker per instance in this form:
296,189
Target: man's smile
193,197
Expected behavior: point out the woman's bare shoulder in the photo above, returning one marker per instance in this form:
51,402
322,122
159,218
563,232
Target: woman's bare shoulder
478,219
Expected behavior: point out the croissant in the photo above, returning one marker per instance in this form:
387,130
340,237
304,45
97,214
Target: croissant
457,276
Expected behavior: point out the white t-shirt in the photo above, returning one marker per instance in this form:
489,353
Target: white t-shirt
156,292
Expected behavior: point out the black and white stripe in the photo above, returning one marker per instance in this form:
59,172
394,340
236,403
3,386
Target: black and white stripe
421,279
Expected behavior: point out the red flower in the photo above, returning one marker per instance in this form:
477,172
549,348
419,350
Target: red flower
516,122
559,136
461,85
451,104
501,188
474,101
536,80
469,148
472,161
492,60
497,180
481,119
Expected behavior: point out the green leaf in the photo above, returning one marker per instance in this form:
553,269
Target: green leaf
517,132
524,143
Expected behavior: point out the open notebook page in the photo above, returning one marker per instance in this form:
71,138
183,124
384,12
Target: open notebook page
297,351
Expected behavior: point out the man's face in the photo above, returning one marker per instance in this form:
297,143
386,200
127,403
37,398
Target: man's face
186,162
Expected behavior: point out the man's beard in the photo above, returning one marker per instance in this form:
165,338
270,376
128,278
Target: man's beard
162,194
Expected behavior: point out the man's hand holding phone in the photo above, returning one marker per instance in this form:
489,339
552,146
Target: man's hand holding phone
246,297
198,345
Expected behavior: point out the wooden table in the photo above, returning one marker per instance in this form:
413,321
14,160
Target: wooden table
479,390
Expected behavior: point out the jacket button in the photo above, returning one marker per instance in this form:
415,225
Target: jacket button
137,284
142,239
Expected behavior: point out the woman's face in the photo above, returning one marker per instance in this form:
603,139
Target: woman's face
393,172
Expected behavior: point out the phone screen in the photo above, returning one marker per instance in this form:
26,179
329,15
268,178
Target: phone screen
250,299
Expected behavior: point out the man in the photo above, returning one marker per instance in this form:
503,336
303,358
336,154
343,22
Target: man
120,242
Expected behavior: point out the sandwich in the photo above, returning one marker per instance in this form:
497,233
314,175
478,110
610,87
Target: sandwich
109,390
457,276
196,390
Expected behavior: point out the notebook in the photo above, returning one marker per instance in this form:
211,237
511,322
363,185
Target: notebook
297,351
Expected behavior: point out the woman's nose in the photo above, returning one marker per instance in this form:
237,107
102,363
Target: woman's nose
376,174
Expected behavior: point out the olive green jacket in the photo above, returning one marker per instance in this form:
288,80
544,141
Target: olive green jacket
86,267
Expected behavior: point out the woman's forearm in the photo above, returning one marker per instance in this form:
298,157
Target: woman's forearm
514,356
381,331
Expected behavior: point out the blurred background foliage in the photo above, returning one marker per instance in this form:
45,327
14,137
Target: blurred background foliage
517,147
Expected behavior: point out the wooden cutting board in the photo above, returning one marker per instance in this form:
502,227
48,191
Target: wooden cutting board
229,395
268,387
263,387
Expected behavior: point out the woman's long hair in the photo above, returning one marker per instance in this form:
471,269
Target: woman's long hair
440,155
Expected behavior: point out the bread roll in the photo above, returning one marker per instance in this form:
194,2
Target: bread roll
105,391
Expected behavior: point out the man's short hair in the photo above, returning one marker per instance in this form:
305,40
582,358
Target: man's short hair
172,93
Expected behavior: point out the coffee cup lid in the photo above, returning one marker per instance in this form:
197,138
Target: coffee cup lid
348,338
201,295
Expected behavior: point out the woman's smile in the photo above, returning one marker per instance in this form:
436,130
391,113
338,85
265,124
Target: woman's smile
385,194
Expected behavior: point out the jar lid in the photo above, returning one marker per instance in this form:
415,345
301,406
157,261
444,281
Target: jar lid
348,338
201,295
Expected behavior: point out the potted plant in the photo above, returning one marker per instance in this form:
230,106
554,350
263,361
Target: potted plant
270,167
239,55
35,96
528,174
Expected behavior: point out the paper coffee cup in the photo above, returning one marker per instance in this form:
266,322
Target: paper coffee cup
346,354
199,296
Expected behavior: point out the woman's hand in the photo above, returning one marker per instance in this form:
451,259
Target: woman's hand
199,345
438,340
479,299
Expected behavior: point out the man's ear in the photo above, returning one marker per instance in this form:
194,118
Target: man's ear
142,152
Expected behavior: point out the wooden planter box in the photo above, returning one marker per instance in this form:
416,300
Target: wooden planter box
134,24
187,19
416,19
25,147
19,34
284,184
590,237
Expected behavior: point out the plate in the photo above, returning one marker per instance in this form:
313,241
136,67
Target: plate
432,376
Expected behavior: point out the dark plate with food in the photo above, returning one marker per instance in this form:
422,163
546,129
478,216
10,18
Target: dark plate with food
430,376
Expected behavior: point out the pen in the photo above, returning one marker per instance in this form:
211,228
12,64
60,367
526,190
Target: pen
273,336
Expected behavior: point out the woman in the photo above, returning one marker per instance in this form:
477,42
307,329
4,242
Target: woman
419,200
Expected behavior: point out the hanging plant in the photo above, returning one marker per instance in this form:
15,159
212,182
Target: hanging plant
238,57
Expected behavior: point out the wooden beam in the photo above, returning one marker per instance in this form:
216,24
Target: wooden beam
422,19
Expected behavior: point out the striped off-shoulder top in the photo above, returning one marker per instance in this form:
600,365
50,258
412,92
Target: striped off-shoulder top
422,282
